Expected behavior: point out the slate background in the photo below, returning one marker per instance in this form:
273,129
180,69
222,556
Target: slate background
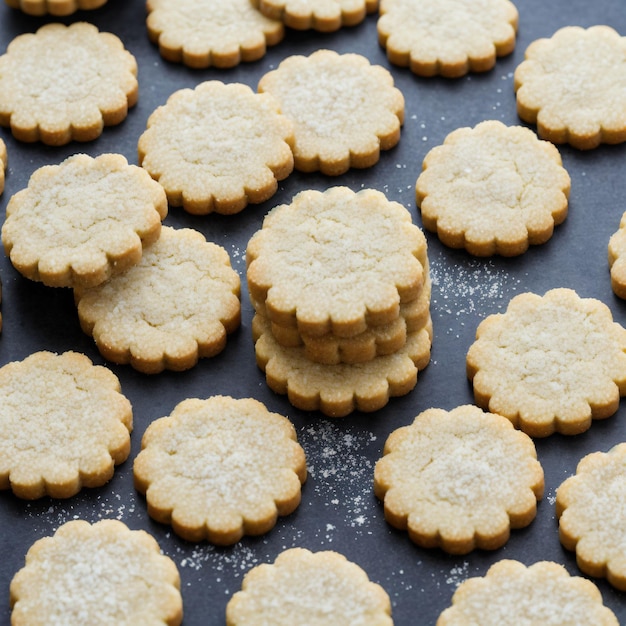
338,510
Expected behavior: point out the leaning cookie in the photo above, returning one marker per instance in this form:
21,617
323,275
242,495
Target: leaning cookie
64,425
220,468
550,363
573,86
54,7
512,593
459,480
344,110
101,573
224,162
493,189
323,15
590,509
211,33
83,221
304,587
447,37
176,305
82,81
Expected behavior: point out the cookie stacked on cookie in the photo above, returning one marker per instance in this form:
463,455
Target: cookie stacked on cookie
339,282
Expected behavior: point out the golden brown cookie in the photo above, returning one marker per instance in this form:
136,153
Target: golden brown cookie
549,363
64,425
337,390
83,221
573,86
447,37
617,259
54,7
493,189
3,163
101,573
322,15
344,110
211,33
589,506
82,80
220,468
459,480
512,593
336,261
313,588
224,162
176,305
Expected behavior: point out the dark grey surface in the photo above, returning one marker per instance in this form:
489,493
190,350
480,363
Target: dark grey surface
338,510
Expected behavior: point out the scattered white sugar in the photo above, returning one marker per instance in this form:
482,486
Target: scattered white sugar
458,574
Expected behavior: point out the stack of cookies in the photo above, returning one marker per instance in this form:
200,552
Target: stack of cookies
339,282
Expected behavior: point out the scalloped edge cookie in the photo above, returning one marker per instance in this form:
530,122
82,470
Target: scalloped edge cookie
54,7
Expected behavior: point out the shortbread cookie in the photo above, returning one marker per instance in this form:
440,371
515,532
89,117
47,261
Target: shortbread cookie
459,480
3,163
550,363
344,110
313,588
447,37
337,390
64,425
511,594
590,509
97,574
211,33
336,261
573,86
225,161
493,189
617,259
176,305
323,15
83,221
220,468
65,83
54,7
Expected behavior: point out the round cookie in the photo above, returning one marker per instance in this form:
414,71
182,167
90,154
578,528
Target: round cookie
210,33
224,161
313,588
459,480
65,83
512,593
64,425
493,189
344,110
83,221
220,468
573,86
447,37
550,363
617,259
97,574
55,7
176,305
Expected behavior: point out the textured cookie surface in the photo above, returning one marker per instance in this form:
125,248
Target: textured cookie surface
337,390
573,86
3,163
65,83
176,305
220,468
313,588
211,33
589,506
224,161
336,261
54,7
459,480
549,363
102,573
617,259
345,110
542,593
447,37
80,222
322,15
64,425
493,189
